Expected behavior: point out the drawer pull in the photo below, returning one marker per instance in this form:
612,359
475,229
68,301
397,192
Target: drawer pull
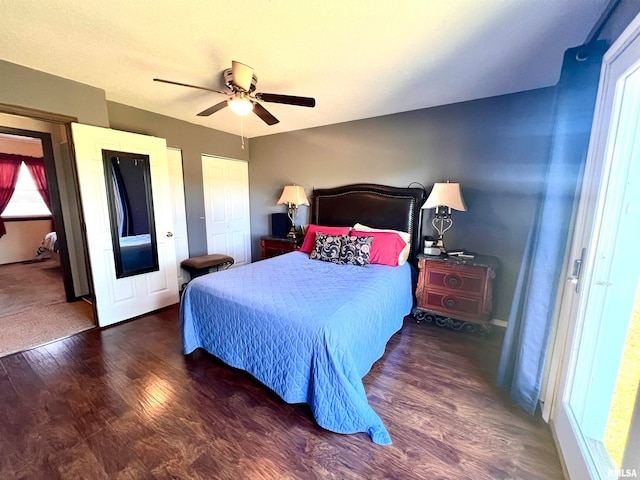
453,281
450,303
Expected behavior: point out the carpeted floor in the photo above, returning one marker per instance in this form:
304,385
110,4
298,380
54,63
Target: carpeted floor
35,327
33,307
24,286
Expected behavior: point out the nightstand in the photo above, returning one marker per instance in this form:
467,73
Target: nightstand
272,246
456,293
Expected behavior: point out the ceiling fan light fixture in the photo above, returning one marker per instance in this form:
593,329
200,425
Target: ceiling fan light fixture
241,81
240,104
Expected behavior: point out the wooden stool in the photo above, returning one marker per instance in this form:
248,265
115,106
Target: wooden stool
197,266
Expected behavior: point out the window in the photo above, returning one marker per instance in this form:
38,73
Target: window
26,200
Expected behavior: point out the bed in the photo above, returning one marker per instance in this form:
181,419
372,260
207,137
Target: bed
49,247
307,329
136,252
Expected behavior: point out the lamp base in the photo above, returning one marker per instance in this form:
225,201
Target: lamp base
291,212
441,222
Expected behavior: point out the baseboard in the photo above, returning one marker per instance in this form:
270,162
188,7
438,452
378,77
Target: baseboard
563,465
498,323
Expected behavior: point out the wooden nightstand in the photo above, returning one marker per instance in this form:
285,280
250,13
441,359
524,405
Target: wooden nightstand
456,293
272,246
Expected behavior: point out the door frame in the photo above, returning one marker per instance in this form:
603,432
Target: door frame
570,322
56,206
178,203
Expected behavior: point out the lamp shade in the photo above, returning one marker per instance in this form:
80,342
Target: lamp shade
446,195
293,195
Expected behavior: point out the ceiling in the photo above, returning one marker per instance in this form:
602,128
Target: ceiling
358,58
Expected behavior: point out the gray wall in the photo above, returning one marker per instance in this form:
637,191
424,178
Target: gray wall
193,140
25,87
30,88
496,148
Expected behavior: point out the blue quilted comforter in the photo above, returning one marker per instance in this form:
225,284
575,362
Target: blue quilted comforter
307,329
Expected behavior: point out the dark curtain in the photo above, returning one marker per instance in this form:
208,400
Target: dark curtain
125,219
9,170
524,350
36,168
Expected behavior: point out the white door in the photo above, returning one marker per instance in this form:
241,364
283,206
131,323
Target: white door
119,299
174,158
598,356
226,205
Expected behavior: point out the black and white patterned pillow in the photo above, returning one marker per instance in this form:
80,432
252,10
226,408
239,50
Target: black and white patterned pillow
327,247
356,251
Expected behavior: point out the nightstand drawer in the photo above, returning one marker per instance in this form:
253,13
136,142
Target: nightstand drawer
272,246
453,304
470,280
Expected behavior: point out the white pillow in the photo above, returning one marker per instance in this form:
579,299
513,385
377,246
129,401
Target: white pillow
404,254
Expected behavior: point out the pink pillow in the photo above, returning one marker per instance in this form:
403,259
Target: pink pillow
310,237
386,246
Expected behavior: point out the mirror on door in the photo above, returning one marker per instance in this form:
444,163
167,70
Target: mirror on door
128,181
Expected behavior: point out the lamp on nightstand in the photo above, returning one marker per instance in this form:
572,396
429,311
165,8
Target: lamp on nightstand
293,196
444,197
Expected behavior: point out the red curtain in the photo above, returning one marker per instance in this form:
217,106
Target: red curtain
36,168
9,170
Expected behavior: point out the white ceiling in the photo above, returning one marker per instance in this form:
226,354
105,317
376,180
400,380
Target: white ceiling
358,58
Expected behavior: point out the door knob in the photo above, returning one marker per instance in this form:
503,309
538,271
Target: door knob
169,234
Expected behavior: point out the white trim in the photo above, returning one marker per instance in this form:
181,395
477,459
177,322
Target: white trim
220,157
499,323
178,210
590,187
570,442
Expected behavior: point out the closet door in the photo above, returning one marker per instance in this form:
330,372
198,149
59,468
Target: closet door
226,204
121,296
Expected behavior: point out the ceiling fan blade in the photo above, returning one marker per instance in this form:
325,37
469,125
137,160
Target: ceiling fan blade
188,85
242,75
262,112
287,99
213,109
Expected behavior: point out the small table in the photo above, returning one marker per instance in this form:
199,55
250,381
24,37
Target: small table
455,292
272,246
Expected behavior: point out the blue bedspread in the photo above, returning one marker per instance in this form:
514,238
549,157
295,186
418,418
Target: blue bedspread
307,329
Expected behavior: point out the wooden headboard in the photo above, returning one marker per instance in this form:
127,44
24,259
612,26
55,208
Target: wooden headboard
377,206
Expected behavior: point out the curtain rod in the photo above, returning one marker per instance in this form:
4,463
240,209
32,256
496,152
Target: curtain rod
602,21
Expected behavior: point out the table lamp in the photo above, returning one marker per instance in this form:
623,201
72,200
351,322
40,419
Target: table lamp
293,196
444,197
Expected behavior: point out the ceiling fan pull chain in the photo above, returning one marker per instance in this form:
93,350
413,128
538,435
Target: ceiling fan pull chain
242,132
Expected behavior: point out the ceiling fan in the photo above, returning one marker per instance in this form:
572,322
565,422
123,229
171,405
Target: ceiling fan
241,80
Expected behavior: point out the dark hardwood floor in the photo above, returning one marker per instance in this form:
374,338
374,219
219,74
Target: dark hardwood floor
125,403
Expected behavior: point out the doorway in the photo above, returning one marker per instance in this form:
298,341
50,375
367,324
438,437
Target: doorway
40,297
595,410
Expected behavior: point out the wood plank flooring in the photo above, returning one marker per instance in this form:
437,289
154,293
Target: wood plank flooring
124,402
